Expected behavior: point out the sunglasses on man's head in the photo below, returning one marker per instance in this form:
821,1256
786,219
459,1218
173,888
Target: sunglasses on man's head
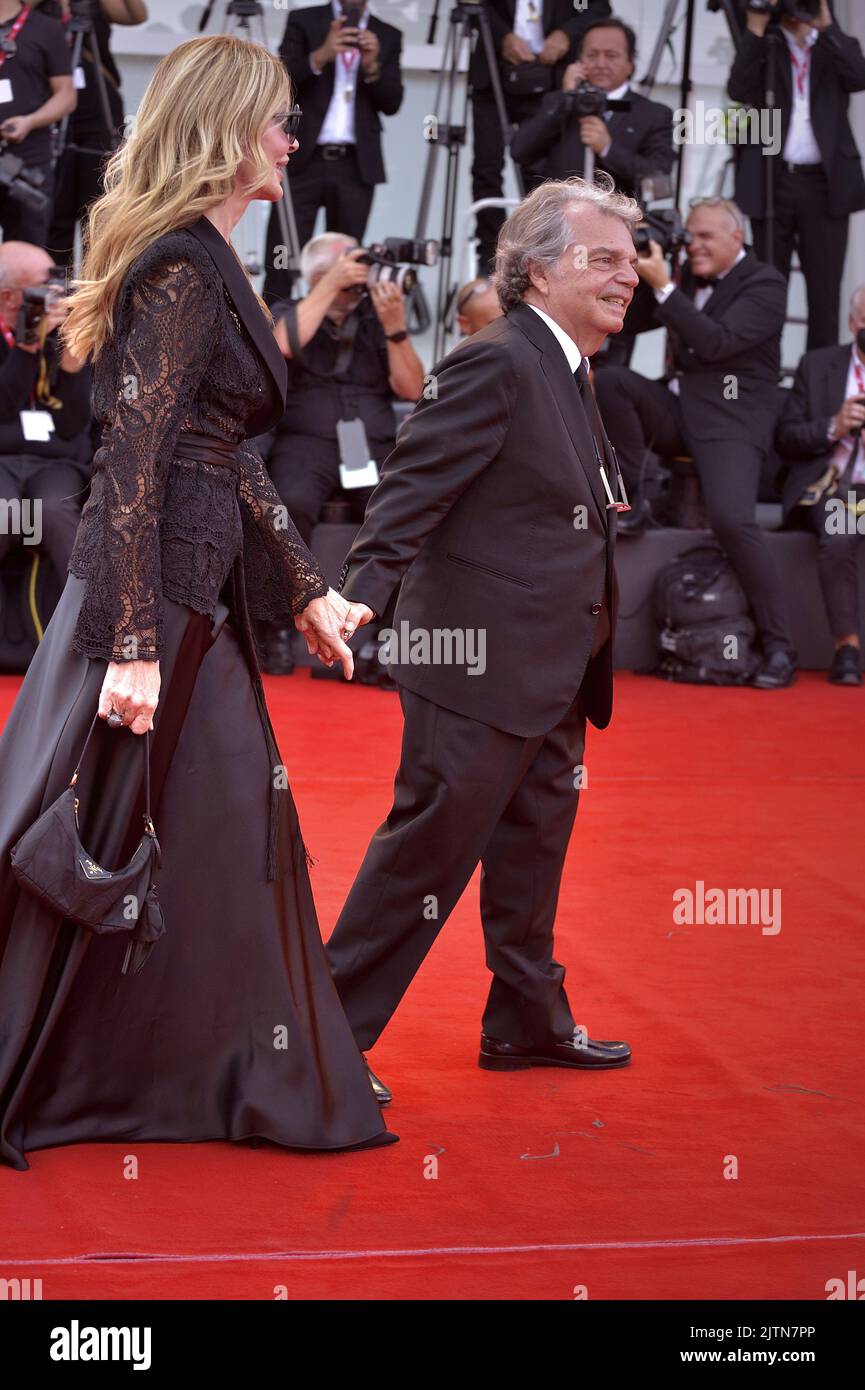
290,120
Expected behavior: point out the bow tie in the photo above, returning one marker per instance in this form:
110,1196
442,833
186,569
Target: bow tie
702,282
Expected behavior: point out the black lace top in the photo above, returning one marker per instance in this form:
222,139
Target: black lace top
179,359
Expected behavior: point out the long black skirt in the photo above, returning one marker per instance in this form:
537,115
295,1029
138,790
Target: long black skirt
233,1028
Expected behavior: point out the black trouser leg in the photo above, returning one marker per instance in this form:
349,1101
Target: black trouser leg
59,488
522,872
487,169
305,473
837,565
822,244
307,196
730,478
347,199
79,183
638,415
455,779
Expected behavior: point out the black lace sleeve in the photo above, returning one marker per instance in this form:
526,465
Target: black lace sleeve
282,576
172,317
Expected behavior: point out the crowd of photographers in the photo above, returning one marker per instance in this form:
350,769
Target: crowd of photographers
563,74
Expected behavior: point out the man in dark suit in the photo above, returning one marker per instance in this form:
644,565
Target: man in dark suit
493,511
631,144
724,327
345,65
525,34
820,434
818,179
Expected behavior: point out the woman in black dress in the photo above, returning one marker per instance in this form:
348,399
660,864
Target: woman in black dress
228,1027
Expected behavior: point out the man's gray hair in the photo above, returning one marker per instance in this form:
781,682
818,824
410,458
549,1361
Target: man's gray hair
540,230
319,254
855,297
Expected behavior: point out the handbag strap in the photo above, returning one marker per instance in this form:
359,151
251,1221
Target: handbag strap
148,822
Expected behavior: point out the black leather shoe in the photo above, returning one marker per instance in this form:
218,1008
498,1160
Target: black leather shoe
846,666
585,1053
380,1091
775,672
276,656
635,521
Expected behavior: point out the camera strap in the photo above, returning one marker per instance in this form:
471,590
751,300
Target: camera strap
347,335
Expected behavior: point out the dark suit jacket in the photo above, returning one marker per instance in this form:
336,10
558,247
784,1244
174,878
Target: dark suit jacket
818,393
476,514
642,141
306,31
556,14
737,336
837,69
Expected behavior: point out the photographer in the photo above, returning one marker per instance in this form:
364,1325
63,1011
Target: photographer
345,66
36,90
79,173
724,340
349,356
629,137
818,179
476,304
533,42
45,453
820,435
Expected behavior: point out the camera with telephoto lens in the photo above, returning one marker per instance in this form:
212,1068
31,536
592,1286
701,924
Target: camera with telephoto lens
36,301
805,10
662,225
21,183
394,258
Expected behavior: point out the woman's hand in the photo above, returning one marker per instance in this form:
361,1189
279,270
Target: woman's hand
132,689
325,622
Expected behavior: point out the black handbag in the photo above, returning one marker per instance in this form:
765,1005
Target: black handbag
526,79
50,861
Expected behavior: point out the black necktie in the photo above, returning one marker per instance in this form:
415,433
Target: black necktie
581,375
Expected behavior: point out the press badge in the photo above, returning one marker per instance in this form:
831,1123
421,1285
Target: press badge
356,468
37,426
80,79
5,90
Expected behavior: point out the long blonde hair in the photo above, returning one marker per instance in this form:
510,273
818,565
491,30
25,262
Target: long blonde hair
205,109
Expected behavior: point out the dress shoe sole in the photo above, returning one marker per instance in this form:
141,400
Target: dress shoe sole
845,680
524,1063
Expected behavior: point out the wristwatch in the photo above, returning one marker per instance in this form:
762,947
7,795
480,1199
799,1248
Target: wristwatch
399,337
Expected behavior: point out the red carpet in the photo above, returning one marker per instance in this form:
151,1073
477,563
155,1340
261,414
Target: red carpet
746,1044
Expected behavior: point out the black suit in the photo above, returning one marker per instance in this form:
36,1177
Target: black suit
491,511
489,150
818,393
728,359
812,204
344,187
642,145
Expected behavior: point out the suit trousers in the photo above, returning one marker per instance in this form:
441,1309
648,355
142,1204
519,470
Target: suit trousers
59,488
466,793
837,560
640,415
801,221
304,470
335,185
488,164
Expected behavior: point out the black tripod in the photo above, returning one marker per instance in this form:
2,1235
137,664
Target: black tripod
241,12
82,24
467,21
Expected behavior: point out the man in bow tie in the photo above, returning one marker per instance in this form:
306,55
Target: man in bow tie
719,402
497,510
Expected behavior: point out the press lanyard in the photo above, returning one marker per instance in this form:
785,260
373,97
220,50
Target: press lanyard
10,343
860,376
15,31
801,71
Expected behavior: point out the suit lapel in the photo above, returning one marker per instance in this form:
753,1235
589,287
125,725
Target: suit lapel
730,286
555,368
835,380
243,298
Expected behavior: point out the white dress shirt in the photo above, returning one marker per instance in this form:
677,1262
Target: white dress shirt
800,147
529,23
569,347
337,128
844,447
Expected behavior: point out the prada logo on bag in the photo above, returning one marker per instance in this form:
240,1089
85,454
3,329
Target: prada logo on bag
92,869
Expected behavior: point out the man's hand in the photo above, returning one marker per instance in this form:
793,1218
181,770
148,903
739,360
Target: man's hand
389,304
824,19
358,616
759,23
555,48
653,268
370,49
594,133
345,272
322,623
132,689
16,128
337,40
850,417
516,50
575,73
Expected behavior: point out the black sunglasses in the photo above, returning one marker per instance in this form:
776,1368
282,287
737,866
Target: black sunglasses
291,120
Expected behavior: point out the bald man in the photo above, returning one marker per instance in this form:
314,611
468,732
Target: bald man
477,305
45,451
